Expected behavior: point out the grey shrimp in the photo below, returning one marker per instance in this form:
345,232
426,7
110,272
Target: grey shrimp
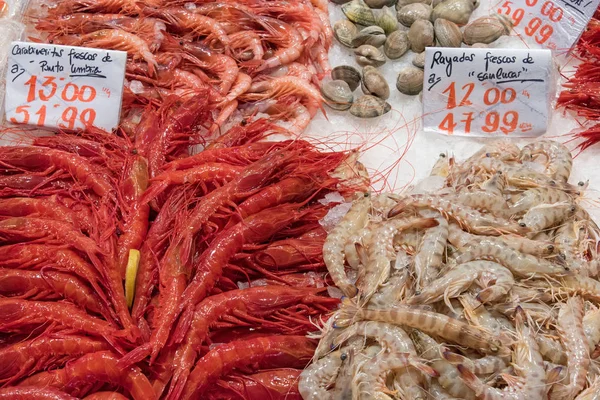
552,349
536,196
495,185
370,379
530,367
523,177
437,392
442,166
429,258
558,158
315,380
462,239
380,251
467,217
572,335
409,240
518,263
394,340
430,349
478,315
391,291
545,216
592,392
343,383
480,366
485,201
429,322
333,249
461,277
591,328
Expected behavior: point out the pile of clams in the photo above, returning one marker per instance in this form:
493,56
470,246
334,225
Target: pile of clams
377,32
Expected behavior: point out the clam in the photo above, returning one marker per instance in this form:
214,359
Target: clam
479,46
402,3
374,83
486,30
369,55
340,1
386,19
369,106
412,12
379,3
396,45
337,94
373,35
457,11
420,35
358,12
419,60
348,74
410,80
447,33
345,31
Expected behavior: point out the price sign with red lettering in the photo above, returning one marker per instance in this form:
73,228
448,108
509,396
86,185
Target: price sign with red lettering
554,24
487,92
63,86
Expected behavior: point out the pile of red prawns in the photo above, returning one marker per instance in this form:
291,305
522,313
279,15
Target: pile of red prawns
253,55
582,91
231,276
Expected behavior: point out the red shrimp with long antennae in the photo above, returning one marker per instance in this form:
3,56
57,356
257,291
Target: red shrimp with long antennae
105,396
204,174
176,295
40,256
19,315
296,350
180,120
44,352
275,384
91,368
256,304
47,208
26,228
152,250
40,158
237,155
136,212
33,393
49,285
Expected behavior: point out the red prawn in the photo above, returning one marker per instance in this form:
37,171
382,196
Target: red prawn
40,256
20,315
210,267
44,352
204,174
36,158
136,212
255,304
46,207
105,396
275,384
266,351
33,393
49,285
91,368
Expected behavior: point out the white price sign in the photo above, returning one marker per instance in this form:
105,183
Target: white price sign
63,86
554,24
487,92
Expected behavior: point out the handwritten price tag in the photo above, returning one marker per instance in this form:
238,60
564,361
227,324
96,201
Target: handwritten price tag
486,92
64,87
554,24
